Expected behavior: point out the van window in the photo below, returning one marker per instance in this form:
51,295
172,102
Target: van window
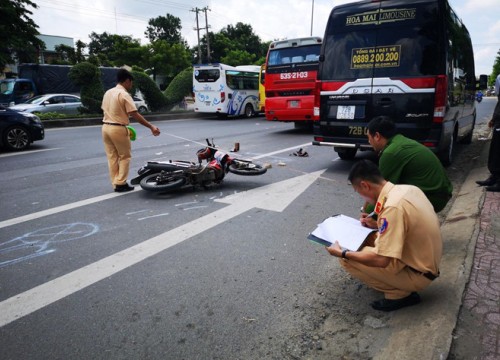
403,48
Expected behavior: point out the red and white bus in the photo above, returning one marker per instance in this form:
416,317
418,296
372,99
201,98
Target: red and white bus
291,68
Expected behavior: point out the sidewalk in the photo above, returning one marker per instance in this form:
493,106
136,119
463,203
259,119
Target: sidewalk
479,320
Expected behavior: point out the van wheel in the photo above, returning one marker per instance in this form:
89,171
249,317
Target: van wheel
446,156
347,154
249,111
468,138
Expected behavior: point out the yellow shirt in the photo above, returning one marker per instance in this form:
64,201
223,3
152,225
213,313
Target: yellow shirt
117,104
409,230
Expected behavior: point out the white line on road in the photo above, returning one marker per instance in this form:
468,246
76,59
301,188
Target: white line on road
59,209
26,152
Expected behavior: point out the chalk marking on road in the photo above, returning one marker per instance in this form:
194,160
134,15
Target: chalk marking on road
272,197
153,216
47,212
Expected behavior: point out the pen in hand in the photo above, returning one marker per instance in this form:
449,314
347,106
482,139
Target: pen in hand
370,214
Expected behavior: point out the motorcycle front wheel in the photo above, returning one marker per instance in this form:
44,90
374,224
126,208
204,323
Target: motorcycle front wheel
150,183
247,168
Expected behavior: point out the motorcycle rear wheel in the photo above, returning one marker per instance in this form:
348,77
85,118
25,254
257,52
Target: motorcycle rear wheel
246,168
150,183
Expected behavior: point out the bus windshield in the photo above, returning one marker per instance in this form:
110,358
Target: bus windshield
294,55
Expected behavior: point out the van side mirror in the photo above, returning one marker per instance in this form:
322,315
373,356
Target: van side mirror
483,82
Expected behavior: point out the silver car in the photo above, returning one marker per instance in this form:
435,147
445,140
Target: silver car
56,103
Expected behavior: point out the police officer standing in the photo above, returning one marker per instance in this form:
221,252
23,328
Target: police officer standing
492,183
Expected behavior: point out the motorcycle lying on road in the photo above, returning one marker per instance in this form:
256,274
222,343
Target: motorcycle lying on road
163,176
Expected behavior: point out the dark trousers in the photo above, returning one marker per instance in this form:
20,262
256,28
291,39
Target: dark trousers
494,155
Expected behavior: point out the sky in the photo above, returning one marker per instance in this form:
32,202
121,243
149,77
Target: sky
270,19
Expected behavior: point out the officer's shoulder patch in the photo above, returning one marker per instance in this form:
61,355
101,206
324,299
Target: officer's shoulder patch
384,224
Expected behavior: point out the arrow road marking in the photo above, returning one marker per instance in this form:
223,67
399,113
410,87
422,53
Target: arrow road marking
274,197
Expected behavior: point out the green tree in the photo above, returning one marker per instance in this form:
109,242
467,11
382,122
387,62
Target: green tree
66,54
496,69
238,57
230,43
115,50
18,32
166,28
167,59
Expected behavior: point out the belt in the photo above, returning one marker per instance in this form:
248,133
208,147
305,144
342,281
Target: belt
115,124
428,275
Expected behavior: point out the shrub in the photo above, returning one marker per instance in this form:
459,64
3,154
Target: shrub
152,94
180,86
88,76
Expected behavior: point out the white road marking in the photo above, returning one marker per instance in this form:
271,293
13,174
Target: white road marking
273,197
26,152
59,209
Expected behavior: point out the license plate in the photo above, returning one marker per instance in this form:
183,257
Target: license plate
294,103
346,112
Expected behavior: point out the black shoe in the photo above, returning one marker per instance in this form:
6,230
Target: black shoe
391,305
488,182
123,188
494,188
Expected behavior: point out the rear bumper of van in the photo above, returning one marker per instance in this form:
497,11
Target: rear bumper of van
342,145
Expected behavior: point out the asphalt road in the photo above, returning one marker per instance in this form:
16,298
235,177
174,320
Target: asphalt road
223,273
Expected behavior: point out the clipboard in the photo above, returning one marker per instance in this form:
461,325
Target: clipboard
346,230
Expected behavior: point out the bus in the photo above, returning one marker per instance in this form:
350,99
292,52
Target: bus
262,88
291,68
411,61
226,90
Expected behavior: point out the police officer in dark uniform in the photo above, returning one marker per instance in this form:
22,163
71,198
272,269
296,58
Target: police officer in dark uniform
493,182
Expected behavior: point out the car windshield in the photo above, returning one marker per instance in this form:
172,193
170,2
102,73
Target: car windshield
6,87
37,99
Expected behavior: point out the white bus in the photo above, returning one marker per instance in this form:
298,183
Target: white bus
226,90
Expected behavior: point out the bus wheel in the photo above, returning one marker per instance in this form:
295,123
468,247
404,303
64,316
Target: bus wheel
249,111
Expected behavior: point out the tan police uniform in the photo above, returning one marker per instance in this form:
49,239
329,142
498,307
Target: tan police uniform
409,233
116,104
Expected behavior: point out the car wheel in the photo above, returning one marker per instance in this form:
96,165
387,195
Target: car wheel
142,110
16,138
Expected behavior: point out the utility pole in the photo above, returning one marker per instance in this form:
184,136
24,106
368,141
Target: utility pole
208,38
312,17
197,28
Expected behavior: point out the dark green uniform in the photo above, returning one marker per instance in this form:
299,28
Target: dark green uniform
406,161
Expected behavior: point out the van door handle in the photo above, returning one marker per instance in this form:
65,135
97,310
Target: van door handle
385,102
